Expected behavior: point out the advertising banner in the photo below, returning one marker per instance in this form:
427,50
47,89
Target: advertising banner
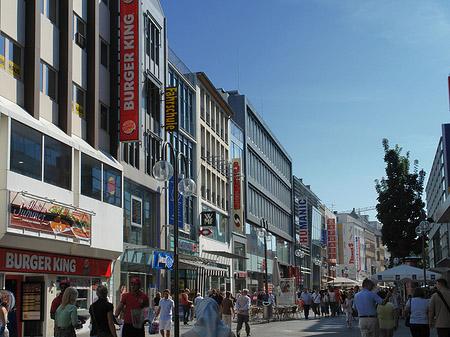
340,234
20,261
357,254
171,109
237,214
129,70
36,215
302,214
332,249
288,293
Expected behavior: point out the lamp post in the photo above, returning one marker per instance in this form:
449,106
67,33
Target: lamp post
422,230
333,268
163,171
263,231
318,263
300,254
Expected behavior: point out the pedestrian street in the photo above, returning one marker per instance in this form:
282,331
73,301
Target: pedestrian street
331,326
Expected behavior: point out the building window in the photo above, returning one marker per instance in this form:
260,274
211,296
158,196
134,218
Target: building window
104,117
136,211
52,10
80,31
57,163
15,60
79,101
153,106
2,51
105,2
91,177
48,81
112,185
152,145
104,53
26,151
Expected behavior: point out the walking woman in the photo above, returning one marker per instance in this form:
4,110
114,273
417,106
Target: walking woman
101,312
387,317
66,319
418,307
3,318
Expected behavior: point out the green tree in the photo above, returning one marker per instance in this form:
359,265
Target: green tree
400,207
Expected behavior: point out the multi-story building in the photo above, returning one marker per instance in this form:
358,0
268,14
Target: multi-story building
61,182
308,234
268,195
143,68
438,206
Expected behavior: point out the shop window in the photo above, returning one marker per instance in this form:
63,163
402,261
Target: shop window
91,177
112,186
79,99
136,211
2,51
15,60
57,163
104,117
104,53
26,151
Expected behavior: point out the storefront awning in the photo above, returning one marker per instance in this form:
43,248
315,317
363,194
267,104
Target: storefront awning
210,270
224,254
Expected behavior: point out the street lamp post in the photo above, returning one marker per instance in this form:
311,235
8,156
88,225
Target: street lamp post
333,268
163,171
318,263
422,230
300,254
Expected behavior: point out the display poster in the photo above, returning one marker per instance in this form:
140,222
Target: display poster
288,295
32,301
37,215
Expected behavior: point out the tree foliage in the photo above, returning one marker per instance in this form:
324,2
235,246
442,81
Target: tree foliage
400,207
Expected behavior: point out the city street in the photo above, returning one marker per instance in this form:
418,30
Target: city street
332,326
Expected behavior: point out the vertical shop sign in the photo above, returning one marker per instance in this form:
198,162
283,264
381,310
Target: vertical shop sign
340,233
171,109
302,214
237,213
129,70
357,254
332,249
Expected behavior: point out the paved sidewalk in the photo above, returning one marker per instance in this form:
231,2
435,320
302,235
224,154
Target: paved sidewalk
331,326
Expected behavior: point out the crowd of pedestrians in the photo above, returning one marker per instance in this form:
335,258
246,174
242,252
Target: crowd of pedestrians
376,311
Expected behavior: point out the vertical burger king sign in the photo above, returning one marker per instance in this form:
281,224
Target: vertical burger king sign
129,70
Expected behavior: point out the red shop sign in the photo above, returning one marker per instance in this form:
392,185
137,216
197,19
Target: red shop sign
12,260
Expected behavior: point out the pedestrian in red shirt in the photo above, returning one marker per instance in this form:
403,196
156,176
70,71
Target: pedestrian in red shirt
63,285
134,303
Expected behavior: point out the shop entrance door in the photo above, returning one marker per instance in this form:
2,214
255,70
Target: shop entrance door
13,283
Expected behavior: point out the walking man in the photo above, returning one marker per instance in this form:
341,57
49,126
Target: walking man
440,307
316,297
186,304
166,306
135,299
227,309
365,304
242,306
307,299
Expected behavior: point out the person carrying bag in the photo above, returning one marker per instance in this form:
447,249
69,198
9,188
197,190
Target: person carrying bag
101,312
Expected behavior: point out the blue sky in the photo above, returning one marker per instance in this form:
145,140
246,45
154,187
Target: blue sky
330,78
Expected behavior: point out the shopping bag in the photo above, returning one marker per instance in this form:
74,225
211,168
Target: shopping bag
153,328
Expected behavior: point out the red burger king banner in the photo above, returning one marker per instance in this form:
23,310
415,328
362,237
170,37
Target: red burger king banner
129,70
12,260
